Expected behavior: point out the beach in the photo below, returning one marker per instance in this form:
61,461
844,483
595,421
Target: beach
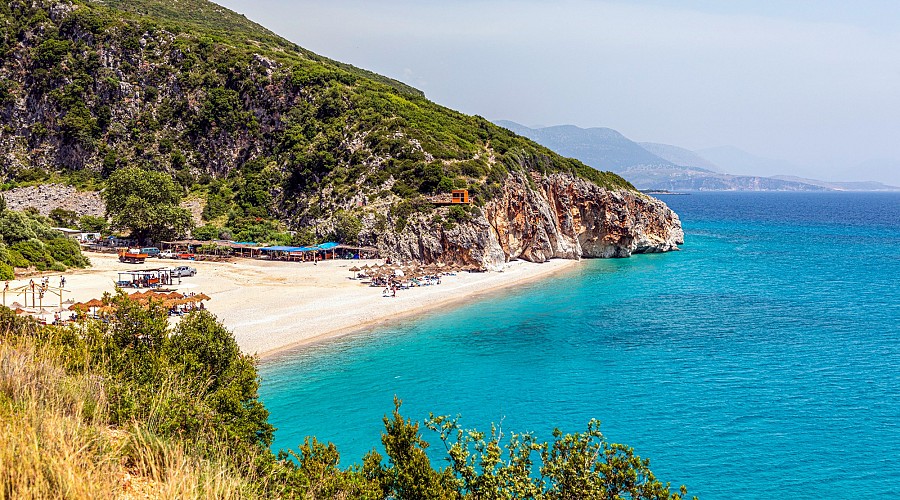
271,306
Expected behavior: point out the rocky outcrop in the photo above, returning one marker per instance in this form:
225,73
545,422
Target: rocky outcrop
542,218
46,197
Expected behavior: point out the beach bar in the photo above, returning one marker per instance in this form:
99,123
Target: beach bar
323,251
148,278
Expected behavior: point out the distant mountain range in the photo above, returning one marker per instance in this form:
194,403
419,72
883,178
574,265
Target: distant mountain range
653,166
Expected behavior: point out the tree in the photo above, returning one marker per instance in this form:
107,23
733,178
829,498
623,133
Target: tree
93,223
572,466
204,351
347,227
146,203
409,473
63,218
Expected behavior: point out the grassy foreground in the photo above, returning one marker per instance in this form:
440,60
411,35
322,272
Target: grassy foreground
126,407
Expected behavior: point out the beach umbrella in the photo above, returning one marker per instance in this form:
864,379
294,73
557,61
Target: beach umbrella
16,305
173,295
354,269
366,267
19,310
94,303
203,296
78,306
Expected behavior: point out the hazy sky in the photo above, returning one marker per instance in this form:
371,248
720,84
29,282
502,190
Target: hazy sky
813,83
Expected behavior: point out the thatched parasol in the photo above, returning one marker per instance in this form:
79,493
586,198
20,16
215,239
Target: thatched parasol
173,295
354,269
78,306
94,303
202,296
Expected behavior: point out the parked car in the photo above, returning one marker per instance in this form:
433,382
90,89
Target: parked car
167,254
150,251
182,271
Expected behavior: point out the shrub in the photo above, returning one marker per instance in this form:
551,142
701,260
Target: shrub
207,232
6,271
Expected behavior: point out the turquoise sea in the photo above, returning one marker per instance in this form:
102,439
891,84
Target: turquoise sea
761,361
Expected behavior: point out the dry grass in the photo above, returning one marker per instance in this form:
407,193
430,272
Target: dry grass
54,442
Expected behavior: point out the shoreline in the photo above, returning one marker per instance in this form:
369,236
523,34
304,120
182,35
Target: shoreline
272,307
454,301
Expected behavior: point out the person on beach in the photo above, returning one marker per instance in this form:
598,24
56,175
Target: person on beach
62,281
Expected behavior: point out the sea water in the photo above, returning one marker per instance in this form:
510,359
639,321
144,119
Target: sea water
760,361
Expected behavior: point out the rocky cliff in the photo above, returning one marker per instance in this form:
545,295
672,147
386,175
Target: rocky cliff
540,218
46,197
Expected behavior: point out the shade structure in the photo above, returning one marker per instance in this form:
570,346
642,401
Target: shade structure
78,306
354,269
94,303
203,296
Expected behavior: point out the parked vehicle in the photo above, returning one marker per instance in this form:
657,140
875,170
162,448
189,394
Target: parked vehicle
150,251
182,271
132,255
167,254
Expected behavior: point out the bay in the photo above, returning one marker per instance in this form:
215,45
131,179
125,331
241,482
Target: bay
761,361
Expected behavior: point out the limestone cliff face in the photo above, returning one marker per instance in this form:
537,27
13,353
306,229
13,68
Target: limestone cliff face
539,218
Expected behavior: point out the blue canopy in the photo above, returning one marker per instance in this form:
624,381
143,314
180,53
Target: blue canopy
315,248
280,249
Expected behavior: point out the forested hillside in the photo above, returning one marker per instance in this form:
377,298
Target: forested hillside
249,122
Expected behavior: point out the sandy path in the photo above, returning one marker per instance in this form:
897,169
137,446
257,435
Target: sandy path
271,306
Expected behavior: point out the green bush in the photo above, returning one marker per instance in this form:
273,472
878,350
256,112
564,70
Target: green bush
206,233
93,224
67,251
35,252
6,271
63,218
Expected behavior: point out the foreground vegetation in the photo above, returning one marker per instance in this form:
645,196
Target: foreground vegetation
128,405
28,240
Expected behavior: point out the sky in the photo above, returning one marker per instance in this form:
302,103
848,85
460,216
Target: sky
814,84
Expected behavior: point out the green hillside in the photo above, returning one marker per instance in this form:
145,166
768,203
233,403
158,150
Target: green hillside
254,125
